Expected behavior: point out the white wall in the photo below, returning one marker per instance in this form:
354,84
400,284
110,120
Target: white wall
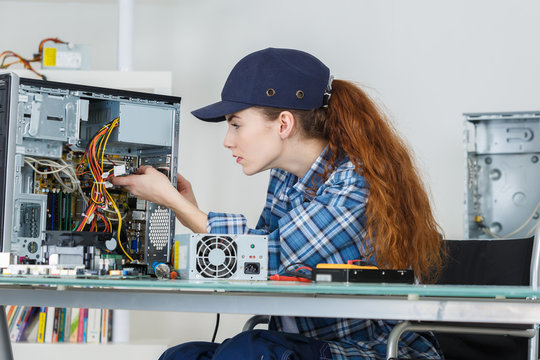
426,61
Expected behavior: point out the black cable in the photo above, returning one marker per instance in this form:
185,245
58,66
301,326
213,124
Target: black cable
216,328
288,272
362,262
296,274
297,263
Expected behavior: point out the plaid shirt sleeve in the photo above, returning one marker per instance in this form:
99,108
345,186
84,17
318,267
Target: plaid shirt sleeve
222,223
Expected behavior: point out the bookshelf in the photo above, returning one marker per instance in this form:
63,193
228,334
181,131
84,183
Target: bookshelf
36,330
32,324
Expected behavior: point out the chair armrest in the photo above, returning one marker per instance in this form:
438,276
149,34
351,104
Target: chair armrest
254,321
399,329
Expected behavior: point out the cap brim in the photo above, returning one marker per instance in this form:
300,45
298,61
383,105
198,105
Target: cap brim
216,112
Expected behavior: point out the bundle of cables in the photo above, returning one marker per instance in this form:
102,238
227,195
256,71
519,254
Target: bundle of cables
100,200
57,167
18,59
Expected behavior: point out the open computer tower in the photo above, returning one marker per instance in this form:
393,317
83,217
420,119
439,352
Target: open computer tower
59,143
502,193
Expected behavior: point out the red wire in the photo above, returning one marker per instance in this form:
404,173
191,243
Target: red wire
303,268
277,277
104,220
56,40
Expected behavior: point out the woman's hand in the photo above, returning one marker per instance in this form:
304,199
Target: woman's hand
148,184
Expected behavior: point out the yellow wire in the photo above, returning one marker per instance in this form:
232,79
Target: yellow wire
109,221
119,223
104,141
112,126
106,127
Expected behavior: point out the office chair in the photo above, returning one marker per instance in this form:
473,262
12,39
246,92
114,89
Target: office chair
254,321
483,262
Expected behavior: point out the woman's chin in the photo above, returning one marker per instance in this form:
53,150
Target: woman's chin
249,171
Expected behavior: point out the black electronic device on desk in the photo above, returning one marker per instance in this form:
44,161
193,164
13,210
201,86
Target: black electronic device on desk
362,273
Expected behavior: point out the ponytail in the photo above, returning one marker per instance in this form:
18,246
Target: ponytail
400,223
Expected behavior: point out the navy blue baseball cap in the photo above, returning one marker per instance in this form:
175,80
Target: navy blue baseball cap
280,78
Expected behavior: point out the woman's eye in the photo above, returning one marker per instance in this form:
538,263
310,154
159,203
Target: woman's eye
235,126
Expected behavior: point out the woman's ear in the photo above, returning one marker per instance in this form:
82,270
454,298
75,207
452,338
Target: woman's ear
287,122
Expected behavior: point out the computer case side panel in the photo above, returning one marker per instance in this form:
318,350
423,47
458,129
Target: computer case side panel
9,84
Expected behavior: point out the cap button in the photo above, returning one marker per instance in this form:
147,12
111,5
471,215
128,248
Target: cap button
300,94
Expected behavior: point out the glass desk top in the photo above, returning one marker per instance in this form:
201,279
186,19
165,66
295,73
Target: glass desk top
477,291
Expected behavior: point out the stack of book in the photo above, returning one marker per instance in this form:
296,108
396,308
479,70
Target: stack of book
57,325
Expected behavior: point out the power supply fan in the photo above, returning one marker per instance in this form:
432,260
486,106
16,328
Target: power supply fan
216,256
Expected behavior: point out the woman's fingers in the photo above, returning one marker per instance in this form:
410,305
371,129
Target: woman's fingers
148,184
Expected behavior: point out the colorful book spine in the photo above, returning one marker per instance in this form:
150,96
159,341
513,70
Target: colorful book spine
9,312
49,324
81,325
41,325
104,337
30,334
28,317
13,318
94,325
85,331
14,332
55,325
110,326
61,324
67,325
74,327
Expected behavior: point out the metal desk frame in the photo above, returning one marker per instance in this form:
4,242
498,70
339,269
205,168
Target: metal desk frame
490,304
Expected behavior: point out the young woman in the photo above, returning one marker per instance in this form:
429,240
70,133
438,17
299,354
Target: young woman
342,187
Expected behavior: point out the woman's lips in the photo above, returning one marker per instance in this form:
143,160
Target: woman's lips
237,158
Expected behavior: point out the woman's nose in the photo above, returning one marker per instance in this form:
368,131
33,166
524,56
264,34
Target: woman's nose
227,142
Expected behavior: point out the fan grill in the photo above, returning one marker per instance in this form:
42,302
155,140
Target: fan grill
216,257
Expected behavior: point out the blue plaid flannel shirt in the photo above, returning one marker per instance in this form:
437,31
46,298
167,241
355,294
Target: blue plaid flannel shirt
326,227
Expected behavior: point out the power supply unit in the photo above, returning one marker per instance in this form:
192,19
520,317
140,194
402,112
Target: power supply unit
222,256
65,56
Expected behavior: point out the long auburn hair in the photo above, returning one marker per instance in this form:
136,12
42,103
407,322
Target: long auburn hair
400,225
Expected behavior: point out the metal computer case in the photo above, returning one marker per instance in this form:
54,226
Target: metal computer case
502,193
50,120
